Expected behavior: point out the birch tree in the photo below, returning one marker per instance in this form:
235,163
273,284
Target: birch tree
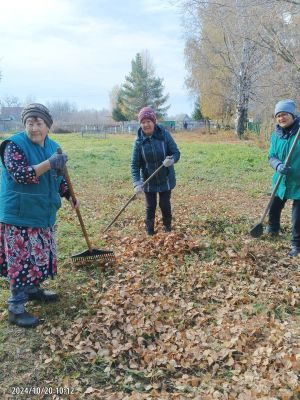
279,33
229,51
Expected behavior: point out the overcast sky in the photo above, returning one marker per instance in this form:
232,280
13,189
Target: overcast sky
77,50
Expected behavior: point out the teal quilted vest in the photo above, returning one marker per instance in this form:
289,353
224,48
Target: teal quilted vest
30,205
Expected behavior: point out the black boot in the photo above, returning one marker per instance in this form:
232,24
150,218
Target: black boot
271,232
149,223
167,228
24,320
167,224
45,296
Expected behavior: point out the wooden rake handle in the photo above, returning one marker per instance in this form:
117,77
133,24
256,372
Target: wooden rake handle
73,197
133,197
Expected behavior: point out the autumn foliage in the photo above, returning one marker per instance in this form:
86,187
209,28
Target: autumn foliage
171,324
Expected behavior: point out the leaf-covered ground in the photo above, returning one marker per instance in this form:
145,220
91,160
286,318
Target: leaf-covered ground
205,312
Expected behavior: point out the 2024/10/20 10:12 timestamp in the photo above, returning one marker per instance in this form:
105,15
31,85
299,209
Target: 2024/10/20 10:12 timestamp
36,390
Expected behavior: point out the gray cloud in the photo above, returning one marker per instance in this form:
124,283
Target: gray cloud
78,50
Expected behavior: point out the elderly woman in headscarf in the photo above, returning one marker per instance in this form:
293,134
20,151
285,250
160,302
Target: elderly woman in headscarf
31,186
153,147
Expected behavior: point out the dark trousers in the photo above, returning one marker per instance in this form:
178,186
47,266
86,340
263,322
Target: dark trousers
275,214
164,204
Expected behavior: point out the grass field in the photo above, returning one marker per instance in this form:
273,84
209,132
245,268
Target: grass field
205,312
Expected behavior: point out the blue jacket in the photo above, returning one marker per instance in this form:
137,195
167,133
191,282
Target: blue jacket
148,154
30,205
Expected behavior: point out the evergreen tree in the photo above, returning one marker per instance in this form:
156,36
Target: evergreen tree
117,113
197,114
141,88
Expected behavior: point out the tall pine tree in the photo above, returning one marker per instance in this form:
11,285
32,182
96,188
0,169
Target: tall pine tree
141,88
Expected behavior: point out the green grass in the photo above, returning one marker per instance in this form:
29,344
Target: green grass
230,165
105,165
108,161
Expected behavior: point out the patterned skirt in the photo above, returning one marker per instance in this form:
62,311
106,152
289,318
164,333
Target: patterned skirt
27,255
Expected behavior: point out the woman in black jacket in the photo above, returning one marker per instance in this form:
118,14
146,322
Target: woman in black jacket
153,146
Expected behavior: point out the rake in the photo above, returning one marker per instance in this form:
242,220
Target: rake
257,230
92,254
133,197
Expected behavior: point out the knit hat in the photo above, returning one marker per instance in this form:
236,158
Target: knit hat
287,106
147,113
37,110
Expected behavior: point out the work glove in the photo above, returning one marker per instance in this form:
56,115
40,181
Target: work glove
57,162
283,169
168,161
138,190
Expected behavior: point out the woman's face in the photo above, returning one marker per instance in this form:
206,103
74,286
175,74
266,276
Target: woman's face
147,126
284,120
37,130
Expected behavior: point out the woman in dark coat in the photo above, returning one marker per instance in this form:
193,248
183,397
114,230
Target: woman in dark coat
153,146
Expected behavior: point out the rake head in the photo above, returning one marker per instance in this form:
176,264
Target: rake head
104,256
257,230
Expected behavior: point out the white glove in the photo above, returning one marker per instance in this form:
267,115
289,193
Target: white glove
138,189
168,161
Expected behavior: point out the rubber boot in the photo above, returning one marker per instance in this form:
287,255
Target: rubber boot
149,223
24,320
167,224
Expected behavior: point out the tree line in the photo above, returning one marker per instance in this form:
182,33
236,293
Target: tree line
242,57
65,114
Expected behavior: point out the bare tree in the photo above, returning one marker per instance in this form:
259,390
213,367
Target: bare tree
224,37
62,111
279,32
113,96
11,101
29,99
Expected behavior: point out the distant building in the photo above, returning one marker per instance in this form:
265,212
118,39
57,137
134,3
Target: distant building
10,118
13,113
187,122
187,119
171,125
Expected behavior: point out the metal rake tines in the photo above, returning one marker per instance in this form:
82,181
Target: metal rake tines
94,255
257,230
